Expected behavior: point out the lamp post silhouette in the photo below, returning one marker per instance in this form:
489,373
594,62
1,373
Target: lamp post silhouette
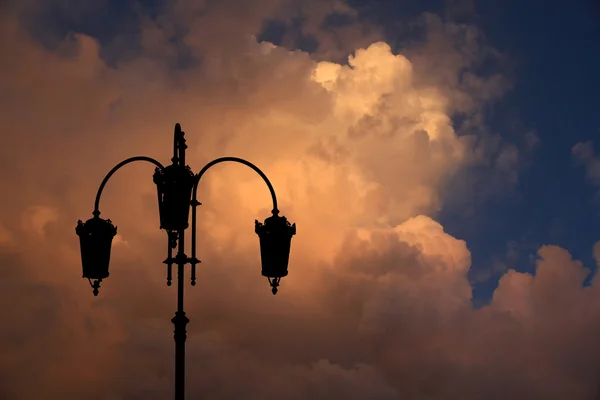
177,187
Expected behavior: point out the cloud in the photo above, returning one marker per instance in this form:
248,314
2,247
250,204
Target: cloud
36,218
585,155
596,253
377,304
7,238
471,75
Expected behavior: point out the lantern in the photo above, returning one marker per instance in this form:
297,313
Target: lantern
275,237
174,185
95,239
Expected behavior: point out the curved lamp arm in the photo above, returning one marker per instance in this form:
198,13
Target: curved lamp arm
241,161
112,171
195,203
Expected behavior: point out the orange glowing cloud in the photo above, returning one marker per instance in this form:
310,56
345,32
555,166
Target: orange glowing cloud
377,303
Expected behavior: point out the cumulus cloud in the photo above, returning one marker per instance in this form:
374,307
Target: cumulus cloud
7,238
36,218
377,304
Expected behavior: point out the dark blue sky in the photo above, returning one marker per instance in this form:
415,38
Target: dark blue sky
555,48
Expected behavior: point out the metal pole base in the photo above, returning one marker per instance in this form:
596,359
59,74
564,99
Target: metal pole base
180,321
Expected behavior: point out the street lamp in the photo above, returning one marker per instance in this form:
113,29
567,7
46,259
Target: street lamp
177,187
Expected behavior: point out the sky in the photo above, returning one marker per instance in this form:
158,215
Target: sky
440,158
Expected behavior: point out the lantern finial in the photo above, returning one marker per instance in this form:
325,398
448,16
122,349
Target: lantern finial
95,285
274,282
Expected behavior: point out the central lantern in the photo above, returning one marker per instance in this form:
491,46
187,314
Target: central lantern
174,186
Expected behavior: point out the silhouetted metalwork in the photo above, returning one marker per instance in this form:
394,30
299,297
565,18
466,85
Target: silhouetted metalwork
275,240
177,187
95,239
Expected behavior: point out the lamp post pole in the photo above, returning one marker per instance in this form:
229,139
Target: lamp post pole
177,190
180,321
